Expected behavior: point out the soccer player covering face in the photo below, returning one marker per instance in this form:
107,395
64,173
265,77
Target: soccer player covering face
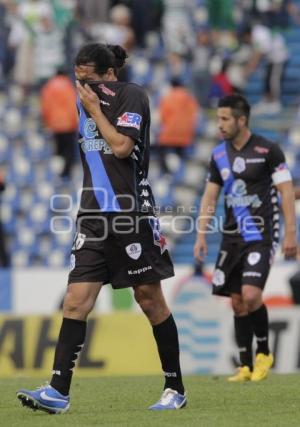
252,171
118,237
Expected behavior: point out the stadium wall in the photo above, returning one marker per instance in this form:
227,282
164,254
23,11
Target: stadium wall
120,341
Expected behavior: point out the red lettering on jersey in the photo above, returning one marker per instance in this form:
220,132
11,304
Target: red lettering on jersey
261,150
106,90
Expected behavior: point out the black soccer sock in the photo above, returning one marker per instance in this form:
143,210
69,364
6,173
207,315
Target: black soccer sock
70,341
166,337
244,336
260,324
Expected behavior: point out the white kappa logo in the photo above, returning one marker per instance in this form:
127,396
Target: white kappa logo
134,250
239,165
253,258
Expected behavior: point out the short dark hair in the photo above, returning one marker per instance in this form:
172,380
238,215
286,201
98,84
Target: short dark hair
102,56
238,104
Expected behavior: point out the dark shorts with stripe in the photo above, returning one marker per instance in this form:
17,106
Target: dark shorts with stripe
122,249
241,264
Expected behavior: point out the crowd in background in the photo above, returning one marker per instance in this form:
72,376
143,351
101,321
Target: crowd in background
184,52
219,41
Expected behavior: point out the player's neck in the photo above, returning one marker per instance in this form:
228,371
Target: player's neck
241,139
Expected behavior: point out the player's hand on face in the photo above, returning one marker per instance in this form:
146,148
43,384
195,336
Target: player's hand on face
88,98
289,246
200,249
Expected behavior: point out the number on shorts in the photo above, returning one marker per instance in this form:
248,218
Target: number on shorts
222,258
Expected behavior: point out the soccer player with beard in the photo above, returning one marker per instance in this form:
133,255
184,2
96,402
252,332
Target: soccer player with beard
251,170
118,238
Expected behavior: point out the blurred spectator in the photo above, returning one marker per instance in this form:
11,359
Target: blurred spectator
118,31
94,10
201,78
269,46
276,13
4,258
178,31
48,49
178,111
25,25
220,85
58,106
220,14
178,68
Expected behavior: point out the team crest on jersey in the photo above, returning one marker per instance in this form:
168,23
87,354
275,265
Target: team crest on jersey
239,165
134,250
253,258
130,120
225,173
78,241
158,237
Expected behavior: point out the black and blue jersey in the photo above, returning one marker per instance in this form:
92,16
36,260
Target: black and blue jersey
248,177
111,184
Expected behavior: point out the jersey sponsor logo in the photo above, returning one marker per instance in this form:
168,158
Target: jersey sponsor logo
239,165
256,160
140,270
134,250
130,120
158,237
104,102
72,262
90,129
219,155
225,173
78,241
253,258
239,198
251,274
218,278
96,145
106,90
261,150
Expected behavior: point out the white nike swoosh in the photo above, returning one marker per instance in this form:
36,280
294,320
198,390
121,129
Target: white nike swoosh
44,396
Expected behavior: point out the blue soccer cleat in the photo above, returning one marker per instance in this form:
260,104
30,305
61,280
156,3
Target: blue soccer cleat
170,399
45,398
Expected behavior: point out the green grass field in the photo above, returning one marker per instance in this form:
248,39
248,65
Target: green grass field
123,401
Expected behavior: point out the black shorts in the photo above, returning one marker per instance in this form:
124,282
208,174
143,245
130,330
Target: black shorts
241,264
121,249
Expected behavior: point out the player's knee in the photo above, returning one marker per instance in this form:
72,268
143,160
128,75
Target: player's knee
252,300
77,307
239,308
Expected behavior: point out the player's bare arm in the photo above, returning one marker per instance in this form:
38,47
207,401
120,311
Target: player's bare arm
120,144
289,245
206,213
